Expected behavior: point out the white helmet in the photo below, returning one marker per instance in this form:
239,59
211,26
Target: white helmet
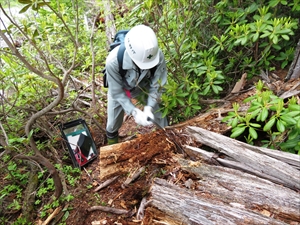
142,47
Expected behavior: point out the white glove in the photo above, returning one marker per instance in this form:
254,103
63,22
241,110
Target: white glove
140,117
148,111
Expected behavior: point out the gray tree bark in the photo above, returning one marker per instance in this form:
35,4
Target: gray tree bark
110,27
294,70
253,159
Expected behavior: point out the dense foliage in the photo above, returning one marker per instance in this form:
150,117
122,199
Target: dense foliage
209,45
57,49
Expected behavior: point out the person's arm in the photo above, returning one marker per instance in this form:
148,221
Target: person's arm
157,81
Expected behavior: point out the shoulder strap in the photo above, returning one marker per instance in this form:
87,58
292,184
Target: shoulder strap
152,70
120,57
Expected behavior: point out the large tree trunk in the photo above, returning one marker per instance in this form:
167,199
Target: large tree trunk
294,70
110,28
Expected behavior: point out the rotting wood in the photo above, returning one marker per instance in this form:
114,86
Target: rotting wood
52,215
121,158
201,207
250,156
291,92
109,210
106,183
254,193
133,176
240,84
210,157
141,211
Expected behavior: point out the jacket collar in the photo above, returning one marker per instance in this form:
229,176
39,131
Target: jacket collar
127,62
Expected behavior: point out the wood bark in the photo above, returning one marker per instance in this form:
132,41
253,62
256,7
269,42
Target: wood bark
294,70
226,196
110,28
254,158
29,197
126,157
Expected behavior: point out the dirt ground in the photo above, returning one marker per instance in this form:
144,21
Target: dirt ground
115,195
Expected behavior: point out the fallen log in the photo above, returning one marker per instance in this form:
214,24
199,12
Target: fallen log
254,158
127,157
225,196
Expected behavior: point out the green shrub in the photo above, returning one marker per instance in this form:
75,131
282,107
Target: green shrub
271,117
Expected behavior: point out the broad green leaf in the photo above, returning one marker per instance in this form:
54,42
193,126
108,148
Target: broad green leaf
215,89
249,98
275,39
284,31
277,47
237,132
265,34
298,124
253,108
258,118
255,125
285,37
25,8
255,37
290,143
273,3
255,113
293,134
294,107
196,107
269,124
264,114
253,133
206,90
234,122
280,126
292,113
256,103
288,119
180,101
187,111
244,40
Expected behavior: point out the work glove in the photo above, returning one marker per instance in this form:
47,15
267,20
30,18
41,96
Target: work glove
140,117
148,111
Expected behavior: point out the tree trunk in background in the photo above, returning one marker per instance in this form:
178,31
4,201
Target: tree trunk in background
118,2
294,71
110,27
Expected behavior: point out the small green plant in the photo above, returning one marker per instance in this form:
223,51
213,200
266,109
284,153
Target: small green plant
47,186
71,173
98,200
271,116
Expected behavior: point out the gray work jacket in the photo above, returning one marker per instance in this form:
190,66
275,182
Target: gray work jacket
135,80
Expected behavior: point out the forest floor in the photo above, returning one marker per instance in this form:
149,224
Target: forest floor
115,195
128,199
